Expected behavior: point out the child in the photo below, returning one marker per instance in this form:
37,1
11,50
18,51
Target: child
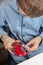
25,21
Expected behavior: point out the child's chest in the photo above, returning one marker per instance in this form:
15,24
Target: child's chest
32,23
17,22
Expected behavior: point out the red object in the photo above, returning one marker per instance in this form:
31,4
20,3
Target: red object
18,51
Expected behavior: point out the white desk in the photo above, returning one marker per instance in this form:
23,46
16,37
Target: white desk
36,60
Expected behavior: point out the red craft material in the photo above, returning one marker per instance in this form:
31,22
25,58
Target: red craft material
18,50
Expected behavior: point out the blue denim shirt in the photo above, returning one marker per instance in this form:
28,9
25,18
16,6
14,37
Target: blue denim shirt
22,27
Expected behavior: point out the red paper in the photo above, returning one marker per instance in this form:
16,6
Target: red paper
19,51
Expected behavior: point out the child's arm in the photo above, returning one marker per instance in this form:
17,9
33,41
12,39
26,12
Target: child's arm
3,35
36,41
41,31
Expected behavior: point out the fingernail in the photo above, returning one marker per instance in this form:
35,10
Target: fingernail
23,45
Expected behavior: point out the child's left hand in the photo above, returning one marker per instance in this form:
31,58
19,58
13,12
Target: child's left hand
34,43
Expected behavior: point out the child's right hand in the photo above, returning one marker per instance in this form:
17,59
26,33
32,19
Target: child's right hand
8,41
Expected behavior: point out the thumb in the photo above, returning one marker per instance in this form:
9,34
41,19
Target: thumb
29,43
10,50
26,47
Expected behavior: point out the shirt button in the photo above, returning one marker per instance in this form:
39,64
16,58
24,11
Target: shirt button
29,55
23,35
23,24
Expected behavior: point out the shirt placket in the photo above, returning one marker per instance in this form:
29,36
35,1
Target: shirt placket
22,29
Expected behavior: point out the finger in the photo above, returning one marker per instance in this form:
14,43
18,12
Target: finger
33,48
36,49
12,46
29,43
26,47
23,45
17,41
10,51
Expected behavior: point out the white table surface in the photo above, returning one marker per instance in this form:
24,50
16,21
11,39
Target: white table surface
36,60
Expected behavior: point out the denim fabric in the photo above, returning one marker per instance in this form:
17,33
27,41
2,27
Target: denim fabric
21,27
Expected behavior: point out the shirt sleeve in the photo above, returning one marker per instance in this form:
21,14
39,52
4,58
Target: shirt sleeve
2,19
41,34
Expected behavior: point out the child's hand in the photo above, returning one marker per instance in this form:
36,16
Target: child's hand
33,44
8,42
